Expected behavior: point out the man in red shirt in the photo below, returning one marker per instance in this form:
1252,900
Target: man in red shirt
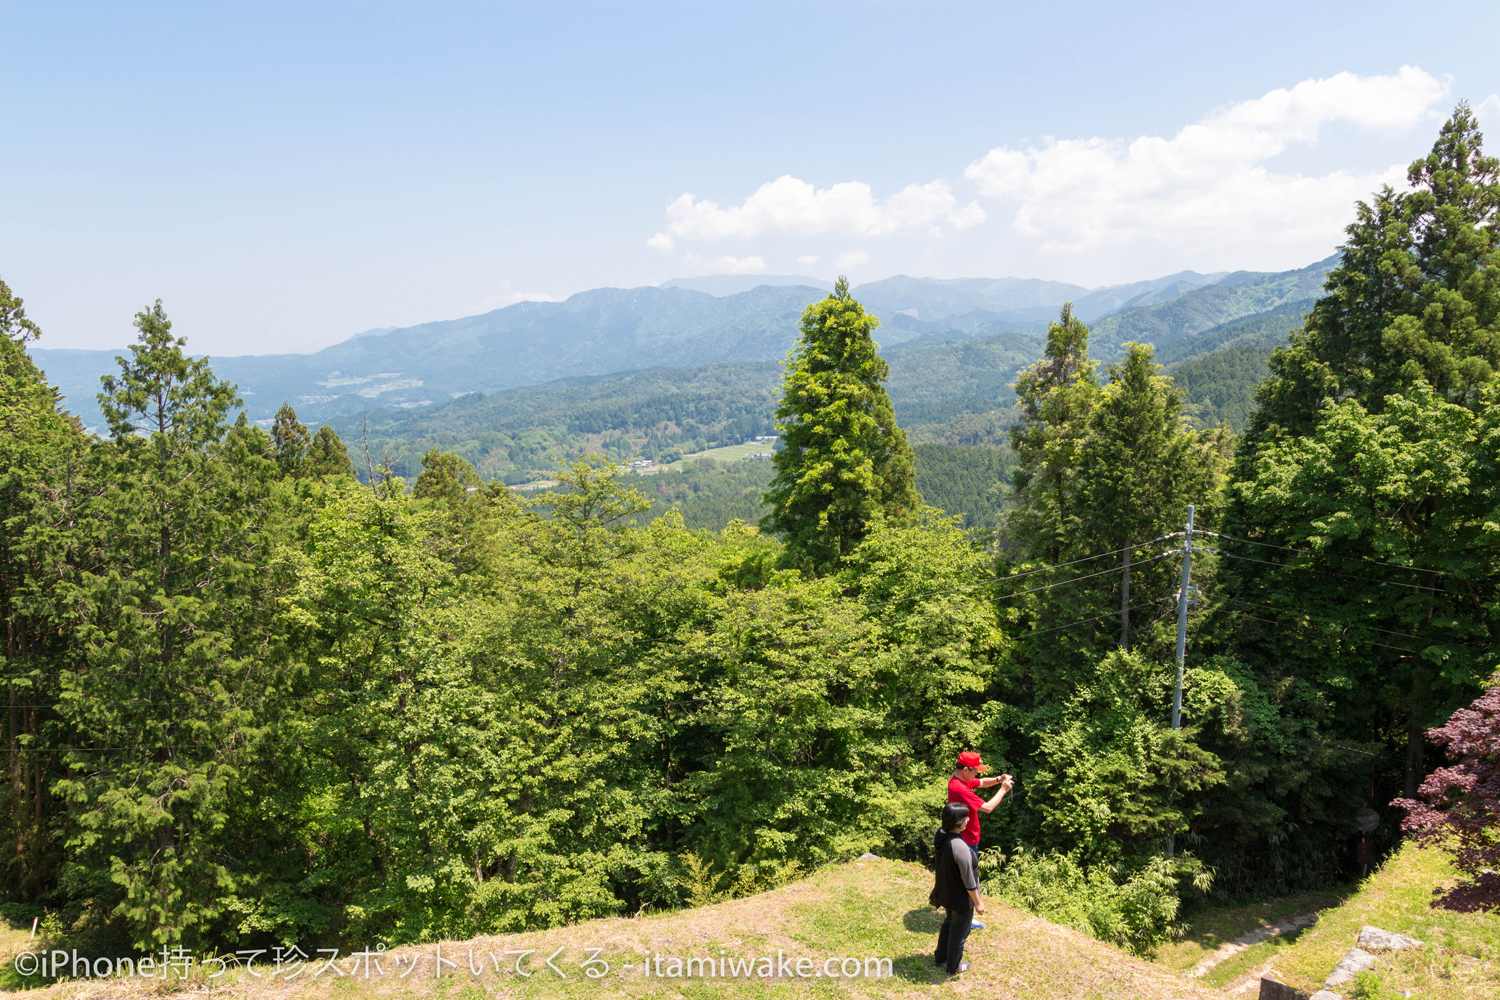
961,789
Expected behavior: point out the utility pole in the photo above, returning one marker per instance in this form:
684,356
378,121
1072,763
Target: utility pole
1182,608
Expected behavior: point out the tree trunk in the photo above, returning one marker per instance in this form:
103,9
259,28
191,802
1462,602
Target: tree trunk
1125,601
1414,741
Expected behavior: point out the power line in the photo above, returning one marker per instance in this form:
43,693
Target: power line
1314,569
1331,621
1301,631
1310,552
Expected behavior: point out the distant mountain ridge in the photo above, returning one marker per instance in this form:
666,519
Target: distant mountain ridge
608,330
732,284
1014,300
1243,293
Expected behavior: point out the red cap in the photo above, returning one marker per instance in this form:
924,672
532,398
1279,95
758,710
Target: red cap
971,759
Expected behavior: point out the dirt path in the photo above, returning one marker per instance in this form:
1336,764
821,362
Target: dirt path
1250,982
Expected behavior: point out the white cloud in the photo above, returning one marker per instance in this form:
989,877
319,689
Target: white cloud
1207,182
809,259
850,259
970,215
662,243
737,265
1488,110
789,205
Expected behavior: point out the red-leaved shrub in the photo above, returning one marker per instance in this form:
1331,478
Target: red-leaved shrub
1461,813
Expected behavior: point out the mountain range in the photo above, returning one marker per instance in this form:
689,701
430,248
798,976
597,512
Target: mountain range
693,322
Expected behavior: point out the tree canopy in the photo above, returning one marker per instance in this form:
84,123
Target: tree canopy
843,460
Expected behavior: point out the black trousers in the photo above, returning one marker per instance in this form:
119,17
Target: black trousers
955,931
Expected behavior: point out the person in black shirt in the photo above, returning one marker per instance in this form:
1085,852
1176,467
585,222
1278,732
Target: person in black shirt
955,888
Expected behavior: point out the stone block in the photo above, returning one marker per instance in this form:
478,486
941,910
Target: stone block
1355,961
1275,989
1375,939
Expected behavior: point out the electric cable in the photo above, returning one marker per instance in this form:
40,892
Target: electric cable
1314,569
1310,552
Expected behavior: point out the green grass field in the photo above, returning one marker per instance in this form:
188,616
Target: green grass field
730,453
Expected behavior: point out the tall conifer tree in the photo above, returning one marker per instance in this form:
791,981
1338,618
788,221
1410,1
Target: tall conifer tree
844,460
1417,295
1371,454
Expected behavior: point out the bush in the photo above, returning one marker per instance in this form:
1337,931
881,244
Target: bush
1133,907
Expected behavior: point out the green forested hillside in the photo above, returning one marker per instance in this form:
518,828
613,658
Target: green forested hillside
937,370
1225,364
1219,388
1205,308
952,392
525,433
708,494
972,482
1264,329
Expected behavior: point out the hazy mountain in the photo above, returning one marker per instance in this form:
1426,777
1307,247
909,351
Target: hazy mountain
973,302
592,333
608,330
937,298
1243,293
733,284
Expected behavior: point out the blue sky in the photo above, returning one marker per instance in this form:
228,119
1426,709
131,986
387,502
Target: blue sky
286,175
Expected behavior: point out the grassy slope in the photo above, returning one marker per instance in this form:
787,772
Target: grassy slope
858,909
1208,929
1464,964
1398,898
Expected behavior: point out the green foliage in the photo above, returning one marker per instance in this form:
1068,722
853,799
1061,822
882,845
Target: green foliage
289,442
175,651
446,476
327,456
1056,396
1415,298
970,482
1369,985
1135,908
42,453
13,322
1103,470
844,461
1367,484
1113,780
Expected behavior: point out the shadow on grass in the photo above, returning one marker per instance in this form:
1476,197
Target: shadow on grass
923,920
918,968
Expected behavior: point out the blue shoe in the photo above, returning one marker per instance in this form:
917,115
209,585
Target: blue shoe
975,925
